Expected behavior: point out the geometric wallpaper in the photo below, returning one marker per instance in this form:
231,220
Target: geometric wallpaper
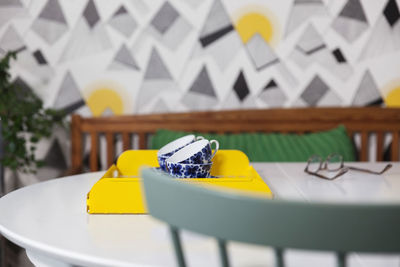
131,56
99,57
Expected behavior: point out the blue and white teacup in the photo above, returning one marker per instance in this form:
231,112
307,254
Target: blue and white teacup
198,152
182,170
169,149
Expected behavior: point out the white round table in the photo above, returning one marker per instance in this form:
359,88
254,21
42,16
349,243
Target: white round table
49,220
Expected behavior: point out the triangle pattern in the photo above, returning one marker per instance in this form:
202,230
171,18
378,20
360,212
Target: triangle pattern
301,11
272,95
55,157
11,40
240,87
353,10
165,18
90,14
156,68
203,84
125,59
123,22
107,112
260,52
387,28
310,41
391,12
314,91
271,84
86,40
218,23
52,11
69,97
367,92
160,107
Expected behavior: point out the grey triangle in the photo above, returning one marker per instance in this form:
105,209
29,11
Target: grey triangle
52,11
261,52
90,14
124,23
367,91
68,93
311,40
121,10
314,91
55,157
203,84
156,68
11,40
271,85
160,107
217,19
123,56
8,3
107,112
22,85
354,10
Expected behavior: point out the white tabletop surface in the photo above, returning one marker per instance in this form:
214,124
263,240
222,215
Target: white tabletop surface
49,220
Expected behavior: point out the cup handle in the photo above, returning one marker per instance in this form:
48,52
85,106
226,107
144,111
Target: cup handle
199,138
216,147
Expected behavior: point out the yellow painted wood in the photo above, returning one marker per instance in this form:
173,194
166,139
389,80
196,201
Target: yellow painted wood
119,190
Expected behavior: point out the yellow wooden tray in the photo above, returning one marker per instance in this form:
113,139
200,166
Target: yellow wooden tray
119,190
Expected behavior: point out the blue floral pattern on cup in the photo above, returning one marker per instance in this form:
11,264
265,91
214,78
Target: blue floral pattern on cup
201,157
162,159
180,170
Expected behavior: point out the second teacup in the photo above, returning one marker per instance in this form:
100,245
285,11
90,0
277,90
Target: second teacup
182,170
167,150
198,152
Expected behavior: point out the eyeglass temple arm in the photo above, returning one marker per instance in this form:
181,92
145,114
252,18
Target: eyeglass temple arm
387,167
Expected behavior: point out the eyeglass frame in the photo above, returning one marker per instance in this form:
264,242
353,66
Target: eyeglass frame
323,165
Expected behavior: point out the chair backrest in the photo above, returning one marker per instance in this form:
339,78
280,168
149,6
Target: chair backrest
360,122
281,224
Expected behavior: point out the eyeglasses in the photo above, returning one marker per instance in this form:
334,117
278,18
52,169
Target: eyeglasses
334,163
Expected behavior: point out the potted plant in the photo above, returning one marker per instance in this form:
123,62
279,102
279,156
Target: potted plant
23,122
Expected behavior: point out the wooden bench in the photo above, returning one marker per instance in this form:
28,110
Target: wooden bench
361,123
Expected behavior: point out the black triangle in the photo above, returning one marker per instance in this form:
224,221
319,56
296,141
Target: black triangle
391,12
54,157
240,87
271,84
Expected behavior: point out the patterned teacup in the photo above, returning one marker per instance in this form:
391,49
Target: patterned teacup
198,152
170,148
182,170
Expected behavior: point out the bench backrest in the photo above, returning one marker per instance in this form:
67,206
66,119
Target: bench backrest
361,124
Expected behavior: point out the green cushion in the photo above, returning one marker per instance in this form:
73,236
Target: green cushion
274,147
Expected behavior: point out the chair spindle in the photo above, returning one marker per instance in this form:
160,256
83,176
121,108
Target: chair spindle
178,246
395,146
126,141
341,259
279,257
93,152
110,148
142,140
364,146
223,253
379,146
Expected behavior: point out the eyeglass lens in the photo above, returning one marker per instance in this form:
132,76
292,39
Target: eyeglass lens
314,163
334,162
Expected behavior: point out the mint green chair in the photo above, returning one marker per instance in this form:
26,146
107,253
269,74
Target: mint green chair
281,224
